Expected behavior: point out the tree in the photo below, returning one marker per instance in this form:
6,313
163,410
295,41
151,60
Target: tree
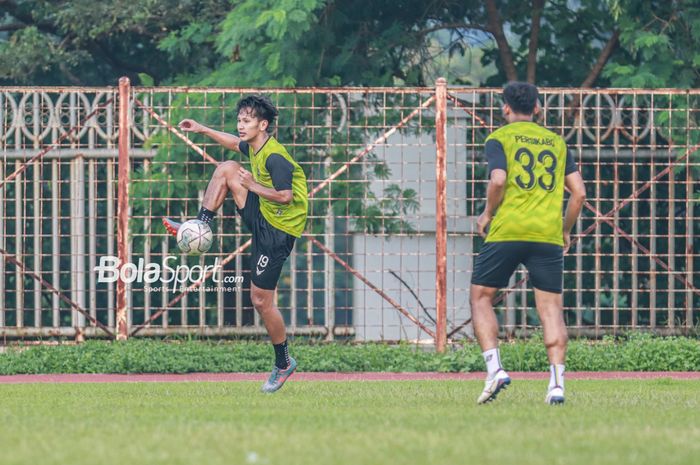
84,42
290,42
364,42
551,42
322,42
660,42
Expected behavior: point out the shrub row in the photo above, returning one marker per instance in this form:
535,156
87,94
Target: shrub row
636,352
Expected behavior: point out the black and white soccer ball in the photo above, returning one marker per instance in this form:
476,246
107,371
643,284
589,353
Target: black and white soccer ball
194,237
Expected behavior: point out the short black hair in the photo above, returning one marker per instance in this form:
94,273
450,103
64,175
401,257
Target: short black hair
521,97
260,107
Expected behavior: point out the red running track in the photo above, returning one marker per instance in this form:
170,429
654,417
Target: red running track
363,376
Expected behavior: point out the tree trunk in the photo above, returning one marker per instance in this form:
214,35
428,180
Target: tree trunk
537,7
602,59
496,28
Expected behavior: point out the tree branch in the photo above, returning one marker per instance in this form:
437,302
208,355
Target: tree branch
595,71
602,60
12,27
413,293
496,28
75,80
117,63
537,7
13,10
440,27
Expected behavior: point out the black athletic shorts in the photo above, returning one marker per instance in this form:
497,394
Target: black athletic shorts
270,247
497,261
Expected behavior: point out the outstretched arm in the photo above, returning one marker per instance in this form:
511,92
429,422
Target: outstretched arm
225,139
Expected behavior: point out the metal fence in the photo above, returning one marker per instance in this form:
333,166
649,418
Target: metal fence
397,178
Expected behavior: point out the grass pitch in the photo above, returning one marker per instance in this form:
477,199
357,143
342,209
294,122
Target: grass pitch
421,422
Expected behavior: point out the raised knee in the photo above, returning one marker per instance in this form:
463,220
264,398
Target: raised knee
227,169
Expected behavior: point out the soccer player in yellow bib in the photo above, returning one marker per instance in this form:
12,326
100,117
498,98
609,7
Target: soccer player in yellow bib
529,166
273,203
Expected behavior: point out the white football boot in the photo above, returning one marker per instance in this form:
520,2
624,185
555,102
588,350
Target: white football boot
555,396
493,386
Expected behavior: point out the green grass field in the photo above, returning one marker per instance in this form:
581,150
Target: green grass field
437,422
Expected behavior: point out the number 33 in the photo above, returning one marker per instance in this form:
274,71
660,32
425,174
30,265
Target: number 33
527,161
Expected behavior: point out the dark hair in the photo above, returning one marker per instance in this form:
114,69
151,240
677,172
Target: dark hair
521,97
260,107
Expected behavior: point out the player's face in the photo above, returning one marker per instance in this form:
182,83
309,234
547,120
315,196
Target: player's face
249,125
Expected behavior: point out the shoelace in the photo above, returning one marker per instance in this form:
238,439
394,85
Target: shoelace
274,375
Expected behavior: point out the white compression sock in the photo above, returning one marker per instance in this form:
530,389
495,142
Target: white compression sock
556,376
492,357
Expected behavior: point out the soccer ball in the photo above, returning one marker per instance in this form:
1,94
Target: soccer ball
194,237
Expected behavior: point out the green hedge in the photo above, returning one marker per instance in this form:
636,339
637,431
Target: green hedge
637,352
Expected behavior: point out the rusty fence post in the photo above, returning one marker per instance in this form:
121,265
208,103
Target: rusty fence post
124,168
441,214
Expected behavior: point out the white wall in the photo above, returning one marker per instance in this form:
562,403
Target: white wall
411,159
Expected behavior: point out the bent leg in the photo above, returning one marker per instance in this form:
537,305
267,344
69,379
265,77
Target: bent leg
266,305
486,331
223,181
550,307
483,317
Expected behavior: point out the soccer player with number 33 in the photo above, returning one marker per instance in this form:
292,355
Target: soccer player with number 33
529,166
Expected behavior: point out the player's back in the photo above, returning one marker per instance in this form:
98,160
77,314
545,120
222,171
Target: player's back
532,205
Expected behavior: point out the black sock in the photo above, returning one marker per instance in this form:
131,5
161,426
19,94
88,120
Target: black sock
281,355
206,215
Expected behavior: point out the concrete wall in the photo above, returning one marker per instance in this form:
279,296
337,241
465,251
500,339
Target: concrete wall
411,159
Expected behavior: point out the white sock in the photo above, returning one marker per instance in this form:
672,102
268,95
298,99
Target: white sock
556,376
492,357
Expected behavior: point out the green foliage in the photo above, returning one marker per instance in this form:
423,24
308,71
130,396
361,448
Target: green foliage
266,35
146,80
94,43
28,52
329,42
659,41
572,34
164,186
182,43
636,352
324,42
386,215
